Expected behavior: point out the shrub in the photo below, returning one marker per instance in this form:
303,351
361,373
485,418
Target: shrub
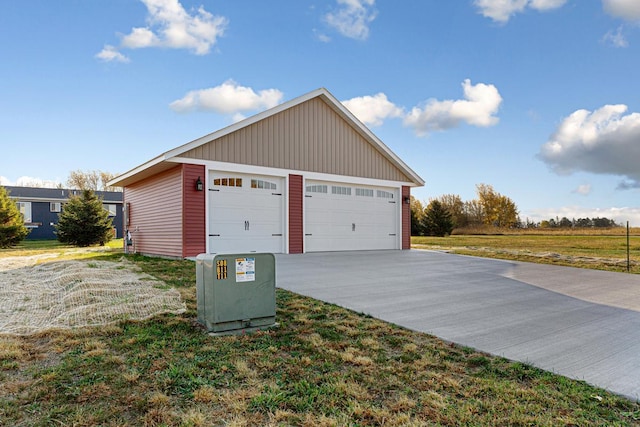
437,220
12,229
84,222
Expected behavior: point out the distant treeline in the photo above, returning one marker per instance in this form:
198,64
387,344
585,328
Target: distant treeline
565,222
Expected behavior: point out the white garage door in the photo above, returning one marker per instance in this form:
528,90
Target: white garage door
246,213
342,217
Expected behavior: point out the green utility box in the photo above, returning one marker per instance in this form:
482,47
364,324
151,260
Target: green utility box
236,292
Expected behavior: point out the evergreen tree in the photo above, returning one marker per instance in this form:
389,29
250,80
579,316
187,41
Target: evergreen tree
12,229
84,222
437,220
417,212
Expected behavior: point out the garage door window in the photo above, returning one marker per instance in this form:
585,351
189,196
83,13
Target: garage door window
317,189
364,192
258,183
384,194
228,182
344,191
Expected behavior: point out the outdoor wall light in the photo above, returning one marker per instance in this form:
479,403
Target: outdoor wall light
199,185
407,200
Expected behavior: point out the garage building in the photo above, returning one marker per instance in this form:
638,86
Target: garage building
304,176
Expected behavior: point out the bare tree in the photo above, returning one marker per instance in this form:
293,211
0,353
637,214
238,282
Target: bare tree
454,204
106,177
90,180
474,212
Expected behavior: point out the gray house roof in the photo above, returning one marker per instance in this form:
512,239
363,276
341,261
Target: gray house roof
35,194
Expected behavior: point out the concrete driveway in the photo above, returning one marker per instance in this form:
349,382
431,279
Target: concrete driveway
579,323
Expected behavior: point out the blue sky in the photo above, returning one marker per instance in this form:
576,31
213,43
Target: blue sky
538,98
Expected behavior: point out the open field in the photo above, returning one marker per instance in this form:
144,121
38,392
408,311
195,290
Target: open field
605,250
324,366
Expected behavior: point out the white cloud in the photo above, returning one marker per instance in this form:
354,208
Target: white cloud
605,141
352,18
110,53
373,110
28,181
619,215
321,36
626,9
502,10
478,108
616,39
542,5
228,98
169,25
237,117
140,38
584,189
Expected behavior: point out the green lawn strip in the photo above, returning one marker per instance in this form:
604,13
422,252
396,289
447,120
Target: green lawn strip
601,252
324,365
59,251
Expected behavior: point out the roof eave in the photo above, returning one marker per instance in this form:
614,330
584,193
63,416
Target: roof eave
138,173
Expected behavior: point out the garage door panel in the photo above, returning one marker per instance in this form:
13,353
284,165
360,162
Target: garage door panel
349,221
246,214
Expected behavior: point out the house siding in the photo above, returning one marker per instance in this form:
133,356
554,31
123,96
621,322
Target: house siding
296,236
155,217
310,137
406,218
193,214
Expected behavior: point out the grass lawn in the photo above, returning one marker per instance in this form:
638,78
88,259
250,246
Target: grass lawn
604,251
324,366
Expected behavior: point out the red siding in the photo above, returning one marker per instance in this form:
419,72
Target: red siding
296,195
193,213
406,218
155,217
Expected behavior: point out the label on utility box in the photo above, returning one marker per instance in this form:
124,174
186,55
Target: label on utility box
245,269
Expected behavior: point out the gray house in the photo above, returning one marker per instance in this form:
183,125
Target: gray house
40,208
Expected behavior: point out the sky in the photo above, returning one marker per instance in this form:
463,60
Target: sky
538,98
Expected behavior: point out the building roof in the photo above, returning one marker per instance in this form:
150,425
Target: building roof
168,159
36,194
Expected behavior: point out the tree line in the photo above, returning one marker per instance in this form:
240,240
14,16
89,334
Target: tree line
449,211
489,209
91,180
95,180
565,222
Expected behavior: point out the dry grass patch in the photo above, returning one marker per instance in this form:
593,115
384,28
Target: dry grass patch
351,389
195,418
205,394
131,376
11,349
369,343
352,355
158,399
